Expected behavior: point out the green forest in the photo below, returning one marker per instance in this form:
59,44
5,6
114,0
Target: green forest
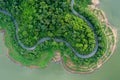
51,18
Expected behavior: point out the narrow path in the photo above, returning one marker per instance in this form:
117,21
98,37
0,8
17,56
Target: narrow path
91,26
55,39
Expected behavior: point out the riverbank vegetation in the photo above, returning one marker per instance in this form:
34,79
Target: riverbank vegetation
52,18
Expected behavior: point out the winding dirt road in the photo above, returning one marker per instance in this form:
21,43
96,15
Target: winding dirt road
55,39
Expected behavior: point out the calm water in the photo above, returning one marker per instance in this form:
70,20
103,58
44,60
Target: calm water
109,71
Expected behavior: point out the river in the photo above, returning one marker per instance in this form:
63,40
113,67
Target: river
109,71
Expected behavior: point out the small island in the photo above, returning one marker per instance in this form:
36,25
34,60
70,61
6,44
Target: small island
73,32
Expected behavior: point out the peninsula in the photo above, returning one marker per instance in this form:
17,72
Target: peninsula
73,32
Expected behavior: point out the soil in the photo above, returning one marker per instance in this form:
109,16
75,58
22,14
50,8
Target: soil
57,57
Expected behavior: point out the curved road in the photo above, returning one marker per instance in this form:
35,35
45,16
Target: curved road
55,39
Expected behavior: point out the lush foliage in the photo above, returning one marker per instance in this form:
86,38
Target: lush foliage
53,18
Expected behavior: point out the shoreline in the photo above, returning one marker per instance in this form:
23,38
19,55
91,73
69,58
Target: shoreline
19,63
106,22
13,60
64,66
95,4
99,65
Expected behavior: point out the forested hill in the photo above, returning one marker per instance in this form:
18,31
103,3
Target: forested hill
52,18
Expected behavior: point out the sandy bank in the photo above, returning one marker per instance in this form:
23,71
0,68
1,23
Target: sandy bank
95,2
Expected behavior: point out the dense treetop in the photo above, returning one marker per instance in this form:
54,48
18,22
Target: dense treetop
53,18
